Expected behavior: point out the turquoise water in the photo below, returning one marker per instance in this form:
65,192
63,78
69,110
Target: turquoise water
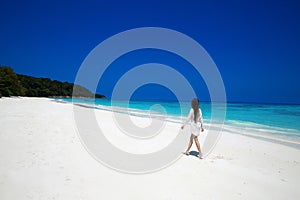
278,119
281,116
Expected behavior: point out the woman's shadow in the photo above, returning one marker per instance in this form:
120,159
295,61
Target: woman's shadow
193,153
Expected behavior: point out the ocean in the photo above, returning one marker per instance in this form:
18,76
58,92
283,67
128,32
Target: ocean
275,121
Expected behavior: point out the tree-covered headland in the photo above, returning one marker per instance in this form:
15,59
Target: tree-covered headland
12,84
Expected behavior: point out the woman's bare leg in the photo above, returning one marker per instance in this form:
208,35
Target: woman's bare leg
198,145
187,152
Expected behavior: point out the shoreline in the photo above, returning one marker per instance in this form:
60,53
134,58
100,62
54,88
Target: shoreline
230,108
284,140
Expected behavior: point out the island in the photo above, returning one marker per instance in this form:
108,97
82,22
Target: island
12,84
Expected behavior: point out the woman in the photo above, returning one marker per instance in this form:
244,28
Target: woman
195,118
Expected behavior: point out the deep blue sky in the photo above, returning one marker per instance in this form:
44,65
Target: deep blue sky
255,44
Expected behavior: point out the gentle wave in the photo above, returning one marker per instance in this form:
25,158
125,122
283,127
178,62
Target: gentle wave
267,120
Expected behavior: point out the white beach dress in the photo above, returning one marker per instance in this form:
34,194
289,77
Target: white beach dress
195,126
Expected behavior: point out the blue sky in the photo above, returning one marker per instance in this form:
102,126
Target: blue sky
255,44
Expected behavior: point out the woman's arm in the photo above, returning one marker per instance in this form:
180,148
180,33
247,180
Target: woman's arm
188,118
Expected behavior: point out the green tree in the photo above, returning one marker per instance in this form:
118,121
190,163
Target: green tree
10,85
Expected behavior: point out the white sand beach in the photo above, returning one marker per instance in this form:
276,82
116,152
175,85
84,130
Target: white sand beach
41,157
